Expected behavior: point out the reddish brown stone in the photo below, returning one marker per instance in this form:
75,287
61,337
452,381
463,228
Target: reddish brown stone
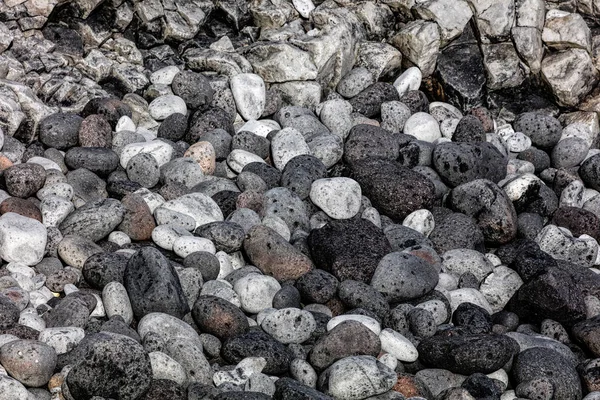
219,317
578,221
410,386
23,207
252,200
95,131
138,222
485,116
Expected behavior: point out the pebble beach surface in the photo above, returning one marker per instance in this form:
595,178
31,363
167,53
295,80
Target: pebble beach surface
299,200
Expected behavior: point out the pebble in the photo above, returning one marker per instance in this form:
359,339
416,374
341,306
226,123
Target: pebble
408,80
287,144
116,302
166,105
369,322
22,240
338,197
249,94
289,325
398,346
29,361
256,292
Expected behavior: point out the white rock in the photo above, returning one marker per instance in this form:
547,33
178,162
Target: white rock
116,301
419,41
290,325
278,225
62,339
409,80
442,111
22,239
499,287
437,308
119,238
517,188
494,18
256,292
160,150
163,106
55,209
222,289
359,377
12,389
563,29
242,371
423,127
336,116
238,159
186,245
201,208
61,189
304,7
249,94
517,142
460,261
7,338
287,144
340,198
469,295
259,128
397,345
303,372
166,327
531,13
44,162
369,322
451,15
165,235
164,75
421,221
164,367
32,320
153,200
125,124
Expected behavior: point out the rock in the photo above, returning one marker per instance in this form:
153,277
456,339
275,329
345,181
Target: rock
198,207
528,43
570,75
450,17
395,190
419,41
338,197
23,239
118,364
60,130
273,255
95,131
219,317
9,313
153,285
367,141
24,180
249,94
17,390
116,302
539,363
289,325
355,82
349,249
398,346
587,332
368,102
494,21
464,354
258,344
403,276
193,88
357,377
564,30
503,66
30,362
287,388
287,144
94,220
461,73
423,127
256,292
269,60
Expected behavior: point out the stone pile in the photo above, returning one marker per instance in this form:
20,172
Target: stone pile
299,199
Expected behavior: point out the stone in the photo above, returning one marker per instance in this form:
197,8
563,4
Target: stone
289,325
423,127
30,362
23,239
395,190
94,220
398,346
269,60
402,276
288,388
419,41
493,20
256,292
256,343
408,80
357,377
464,354
349,249
528,43
116,302
564,30
368,102
539,363
60,130
153,285
287,144
451,17
120,367
219,317
249,94
354,82
338,197
160,150
24,180
570,75
503,66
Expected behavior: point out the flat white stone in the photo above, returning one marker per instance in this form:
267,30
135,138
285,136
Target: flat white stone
423,127
160,150
201,208
340,198
22,239
369,322
249,94
287,144
256,292
163,106
397,345
186,245
408,80
421,221
238,159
